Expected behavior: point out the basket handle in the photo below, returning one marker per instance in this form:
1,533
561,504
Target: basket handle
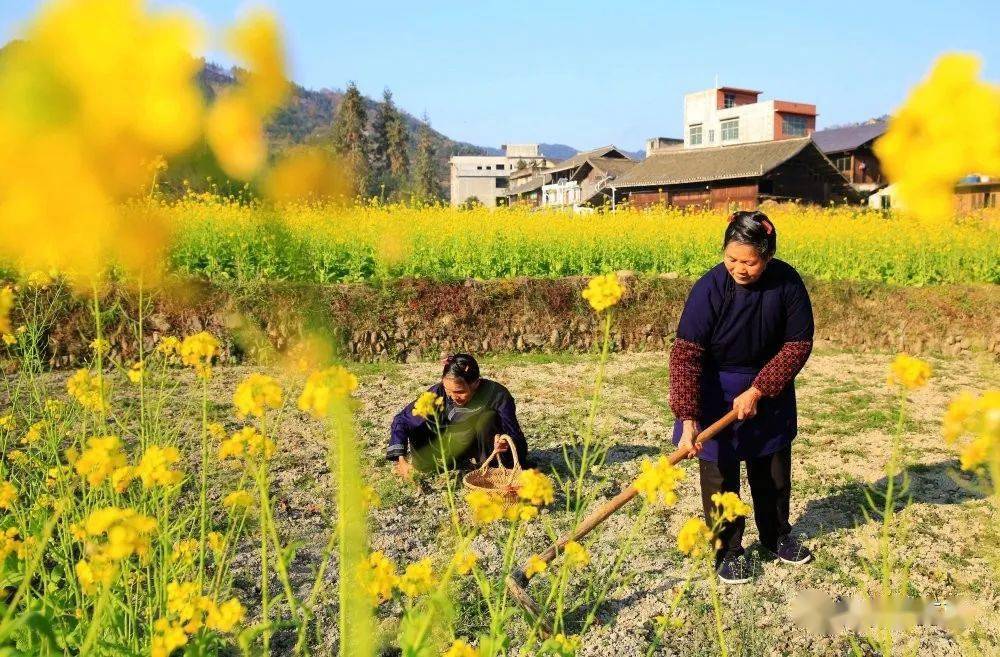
516,470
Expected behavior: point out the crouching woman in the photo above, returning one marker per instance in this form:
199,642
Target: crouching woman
463,429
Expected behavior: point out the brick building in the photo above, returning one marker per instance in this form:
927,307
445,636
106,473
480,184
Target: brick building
725,116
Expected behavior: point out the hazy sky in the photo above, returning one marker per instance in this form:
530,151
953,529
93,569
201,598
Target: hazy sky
591,73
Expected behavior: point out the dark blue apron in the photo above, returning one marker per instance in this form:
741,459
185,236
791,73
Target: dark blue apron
772,429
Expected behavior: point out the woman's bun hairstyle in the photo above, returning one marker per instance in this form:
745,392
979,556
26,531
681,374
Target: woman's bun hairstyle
461,366
754,229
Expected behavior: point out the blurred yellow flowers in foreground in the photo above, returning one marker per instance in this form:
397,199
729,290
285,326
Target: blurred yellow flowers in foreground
909,372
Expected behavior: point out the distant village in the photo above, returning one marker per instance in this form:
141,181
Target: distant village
737,152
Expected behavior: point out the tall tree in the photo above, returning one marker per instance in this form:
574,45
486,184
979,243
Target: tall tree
426,183
350,137
390,140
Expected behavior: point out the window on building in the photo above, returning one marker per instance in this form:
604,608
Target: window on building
488,167
502,182
843,163
479,168
500,167
793,125
730,129
694,134
729,100
711,136
886,202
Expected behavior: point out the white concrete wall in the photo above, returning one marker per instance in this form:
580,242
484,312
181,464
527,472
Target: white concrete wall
756,121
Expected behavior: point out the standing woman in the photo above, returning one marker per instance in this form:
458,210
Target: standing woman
745,332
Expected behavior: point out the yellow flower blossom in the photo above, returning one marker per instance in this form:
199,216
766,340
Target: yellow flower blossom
122,478
323,387
464,562
8,495
657,482
909,372
520,511
7,421
535,487
417,579
377,576
235,131
428,405
256,41
136,372
256,394
486,508
603,292
246,442
239,499
729,506
34,433
102,457
6,305
216,542
100,346
169,347
154,467
461,649
10,543
577,556
561,645
959,411
535,566
979,417
184,551
17,456
198,351
225,617
694,538
90,391
946,129
125,533
167,637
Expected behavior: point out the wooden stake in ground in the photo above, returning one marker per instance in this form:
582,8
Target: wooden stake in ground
517,582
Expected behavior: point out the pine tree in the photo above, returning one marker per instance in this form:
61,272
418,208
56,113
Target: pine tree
390,139
425,185
350,138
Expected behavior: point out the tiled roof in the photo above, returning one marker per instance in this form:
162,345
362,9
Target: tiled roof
835,140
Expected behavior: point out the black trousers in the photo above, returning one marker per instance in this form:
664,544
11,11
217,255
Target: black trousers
464,444
770,479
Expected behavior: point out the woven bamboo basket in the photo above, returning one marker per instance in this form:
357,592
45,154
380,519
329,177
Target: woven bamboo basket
500,481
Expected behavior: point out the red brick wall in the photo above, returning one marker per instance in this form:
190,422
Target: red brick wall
779,134
739,97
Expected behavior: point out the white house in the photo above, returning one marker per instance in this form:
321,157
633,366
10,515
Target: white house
725,116
486,177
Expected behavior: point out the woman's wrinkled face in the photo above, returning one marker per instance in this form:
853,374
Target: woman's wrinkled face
458,390
743,263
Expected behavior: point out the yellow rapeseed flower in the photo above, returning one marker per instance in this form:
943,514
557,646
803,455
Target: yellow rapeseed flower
136,372
90,391
520,511
427,405
729,506
185,551
122,478
38,279
167,637
377,575
535,487
6,305
239,499
34,433
256,394
100,346
417,579
225,617
561,645
535,566
216,542
102,457
169,347
8,495
979,417
657,482
256,41
154,467
7,421
603,292
908,372
10,543
198,351
461,649
235,131
323,387
486,508
694,538
946,129
576,555
464,562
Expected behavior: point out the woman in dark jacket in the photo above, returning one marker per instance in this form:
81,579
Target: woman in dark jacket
745,332
474,412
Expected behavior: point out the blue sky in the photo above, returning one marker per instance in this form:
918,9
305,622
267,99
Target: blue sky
589,73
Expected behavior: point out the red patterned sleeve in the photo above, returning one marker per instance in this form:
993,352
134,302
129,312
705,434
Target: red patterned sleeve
685,379
780,370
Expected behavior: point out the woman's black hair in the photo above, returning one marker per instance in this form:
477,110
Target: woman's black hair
754,229
461,366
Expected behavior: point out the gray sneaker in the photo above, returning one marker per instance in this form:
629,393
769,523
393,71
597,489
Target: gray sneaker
734,569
